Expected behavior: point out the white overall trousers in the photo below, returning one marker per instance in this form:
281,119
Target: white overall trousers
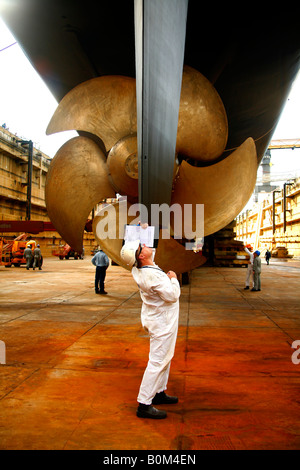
159,316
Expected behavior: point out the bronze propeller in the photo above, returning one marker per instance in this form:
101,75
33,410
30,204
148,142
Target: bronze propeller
104,162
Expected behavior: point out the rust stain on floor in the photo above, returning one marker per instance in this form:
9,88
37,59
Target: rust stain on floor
74,361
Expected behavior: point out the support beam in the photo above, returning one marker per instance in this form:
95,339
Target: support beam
284,205
160,28
28,144
274,211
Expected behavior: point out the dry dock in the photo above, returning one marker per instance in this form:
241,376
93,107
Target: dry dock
74,361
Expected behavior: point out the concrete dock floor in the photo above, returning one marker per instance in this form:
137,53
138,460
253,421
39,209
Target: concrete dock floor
74,361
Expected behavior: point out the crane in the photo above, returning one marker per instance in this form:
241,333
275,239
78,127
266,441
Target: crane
284,144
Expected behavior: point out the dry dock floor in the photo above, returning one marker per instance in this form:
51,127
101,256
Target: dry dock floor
74,361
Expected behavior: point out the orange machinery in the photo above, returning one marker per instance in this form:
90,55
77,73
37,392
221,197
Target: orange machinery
12,251
65,251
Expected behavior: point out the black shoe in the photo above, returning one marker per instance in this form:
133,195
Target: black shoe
253,290
148,411
247,287
163,399
102,292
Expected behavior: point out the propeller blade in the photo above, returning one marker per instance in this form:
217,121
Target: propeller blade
202,123
76,181
224,188
103,106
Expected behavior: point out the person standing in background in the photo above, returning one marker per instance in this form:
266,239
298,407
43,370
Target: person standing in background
268,256
101,261
256,270
28,256
37,255
249,274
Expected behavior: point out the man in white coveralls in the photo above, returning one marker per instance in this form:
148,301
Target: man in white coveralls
160,294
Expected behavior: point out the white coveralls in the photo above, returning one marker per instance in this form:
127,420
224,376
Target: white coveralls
249,269
159,316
